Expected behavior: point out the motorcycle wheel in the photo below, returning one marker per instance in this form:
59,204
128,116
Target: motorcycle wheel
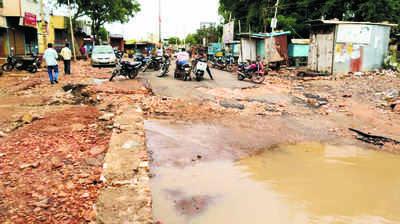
163,72
133,74
258,78
32,68
240,77
198,78
7,67
229,68
114,73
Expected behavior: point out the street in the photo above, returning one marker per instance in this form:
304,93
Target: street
153,149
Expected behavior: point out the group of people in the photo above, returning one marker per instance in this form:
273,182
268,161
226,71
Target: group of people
51,56
183,59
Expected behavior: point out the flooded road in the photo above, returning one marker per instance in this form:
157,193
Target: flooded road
302,183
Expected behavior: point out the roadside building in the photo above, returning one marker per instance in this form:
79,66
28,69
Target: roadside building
116,41
18,27
341,47
270,47
59,33
298,52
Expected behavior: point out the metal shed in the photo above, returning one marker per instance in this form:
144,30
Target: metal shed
259,44
341,47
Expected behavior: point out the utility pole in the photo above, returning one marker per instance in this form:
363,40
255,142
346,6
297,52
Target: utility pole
72,31
159,22
44,34
273,25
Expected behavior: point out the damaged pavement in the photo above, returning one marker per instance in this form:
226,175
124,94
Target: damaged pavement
77,152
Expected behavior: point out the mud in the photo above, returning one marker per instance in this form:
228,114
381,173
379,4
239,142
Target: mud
302,183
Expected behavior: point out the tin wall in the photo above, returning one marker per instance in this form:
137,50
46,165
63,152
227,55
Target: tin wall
321,48
279,49
360,48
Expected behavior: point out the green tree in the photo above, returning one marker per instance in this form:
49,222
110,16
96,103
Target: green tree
255,15
193,39
212,34
174,40
103,11
103,34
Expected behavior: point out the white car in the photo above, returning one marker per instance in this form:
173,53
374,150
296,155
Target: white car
103,55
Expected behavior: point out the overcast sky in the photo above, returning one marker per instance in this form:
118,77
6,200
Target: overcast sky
179,18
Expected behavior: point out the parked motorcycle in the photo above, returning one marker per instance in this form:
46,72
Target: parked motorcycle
141,58
153,62
126,68
199,68
230,63
165,66
27,64
219,63
253,72
38,59
182,72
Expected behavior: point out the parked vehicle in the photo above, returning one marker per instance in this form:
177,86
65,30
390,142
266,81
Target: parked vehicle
165,66
182,72
38,59
219,63
103,55
229,63
27,64
199,68
153,62
253,71
126,68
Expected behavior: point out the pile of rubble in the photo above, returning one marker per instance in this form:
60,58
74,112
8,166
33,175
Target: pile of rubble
50,169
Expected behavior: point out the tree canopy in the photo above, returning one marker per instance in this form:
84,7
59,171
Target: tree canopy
255,15
104,11
174,40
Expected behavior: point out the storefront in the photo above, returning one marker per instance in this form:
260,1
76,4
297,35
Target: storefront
3,39
22,35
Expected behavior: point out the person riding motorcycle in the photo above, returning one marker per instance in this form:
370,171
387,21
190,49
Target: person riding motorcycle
182,58
196,58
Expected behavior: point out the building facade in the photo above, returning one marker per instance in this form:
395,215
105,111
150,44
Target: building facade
18,27
341,47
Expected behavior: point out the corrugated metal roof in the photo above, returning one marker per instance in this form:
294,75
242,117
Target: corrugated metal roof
319,21
263,35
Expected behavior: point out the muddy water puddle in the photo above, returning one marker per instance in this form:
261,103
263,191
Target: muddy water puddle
303,183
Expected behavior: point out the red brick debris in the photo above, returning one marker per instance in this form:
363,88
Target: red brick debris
50,170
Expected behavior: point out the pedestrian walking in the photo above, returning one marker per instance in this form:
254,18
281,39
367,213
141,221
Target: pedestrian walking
50,56
67,54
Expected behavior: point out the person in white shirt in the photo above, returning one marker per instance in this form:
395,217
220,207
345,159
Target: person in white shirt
50,56
66,54
159,52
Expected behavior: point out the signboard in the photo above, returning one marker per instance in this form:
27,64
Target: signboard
228,32
30,19
130,41
42,28
273,23
360,34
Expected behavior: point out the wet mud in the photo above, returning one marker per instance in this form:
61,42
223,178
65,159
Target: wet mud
308,182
